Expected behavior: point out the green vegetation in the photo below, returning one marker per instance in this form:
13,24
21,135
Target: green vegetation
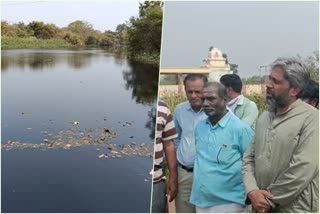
255,79
139,38
144,33
260,100
78,34
32,42
233,67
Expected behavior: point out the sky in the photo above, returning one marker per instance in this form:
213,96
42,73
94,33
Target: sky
103,15
252,34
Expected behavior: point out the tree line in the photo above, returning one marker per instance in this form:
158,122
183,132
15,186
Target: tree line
312,66
139,37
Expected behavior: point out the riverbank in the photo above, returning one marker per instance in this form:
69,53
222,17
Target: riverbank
8,43
33,43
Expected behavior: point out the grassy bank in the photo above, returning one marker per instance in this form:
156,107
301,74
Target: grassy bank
33,43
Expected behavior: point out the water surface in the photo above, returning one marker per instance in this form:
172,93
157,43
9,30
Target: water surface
42,92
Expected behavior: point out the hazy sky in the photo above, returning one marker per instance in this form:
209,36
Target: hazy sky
250,33
103,15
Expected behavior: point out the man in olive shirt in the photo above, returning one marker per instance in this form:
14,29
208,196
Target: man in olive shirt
281,167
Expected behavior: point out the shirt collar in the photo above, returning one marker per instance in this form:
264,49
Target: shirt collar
188,107
233,101
292,106
236,101
241,100
223,121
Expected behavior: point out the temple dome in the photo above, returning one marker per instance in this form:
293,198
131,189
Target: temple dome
215,53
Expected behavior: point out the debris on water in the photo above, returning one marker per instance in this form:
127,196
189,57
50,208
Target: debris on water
75,123
130,123
29,128
146,180
110,147
105,118
151,172
102,156
67,146
23,113
73,138
131,137
106,130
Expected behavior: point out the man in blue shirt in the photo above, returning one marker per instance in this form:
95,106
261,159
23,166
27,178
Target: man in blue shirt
221,141
186,116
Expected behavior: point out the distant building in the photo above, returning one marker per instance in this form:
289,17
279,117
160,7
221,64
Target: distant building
215,66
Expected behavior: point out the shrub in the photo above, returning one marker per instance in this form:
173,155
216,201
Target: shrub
260,100
32,42
173,98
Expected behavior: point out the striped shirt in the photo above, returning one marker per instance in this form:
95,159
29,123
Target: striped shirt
165,132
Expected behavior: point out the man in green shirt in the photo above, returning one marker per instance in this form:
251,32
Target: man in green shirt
245,109
281,167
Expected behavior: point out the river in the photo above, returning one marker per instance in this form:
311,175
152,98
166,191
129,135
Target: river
49,92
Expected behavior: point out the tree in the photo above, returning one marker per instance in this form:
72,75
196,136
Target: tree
91,40
22,30
122,34
233,67
73,39
6,29
144,33
41,30
143,7
81,27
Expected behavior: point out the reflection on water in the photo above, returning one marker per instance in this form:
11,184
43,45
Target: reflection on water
141,78
106,91
44,59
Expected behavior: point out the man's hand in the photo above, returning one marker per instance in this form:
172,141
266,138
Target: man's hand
258,200
172,187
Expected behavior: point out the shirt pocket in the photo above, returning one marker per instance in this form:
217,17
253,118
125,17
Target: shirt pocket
228,154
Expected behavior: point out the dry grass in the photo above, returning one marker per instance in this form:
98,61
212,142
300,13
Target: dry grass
172,98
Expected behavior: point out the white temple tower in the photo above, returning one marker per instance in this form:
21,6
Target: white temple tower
216,64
